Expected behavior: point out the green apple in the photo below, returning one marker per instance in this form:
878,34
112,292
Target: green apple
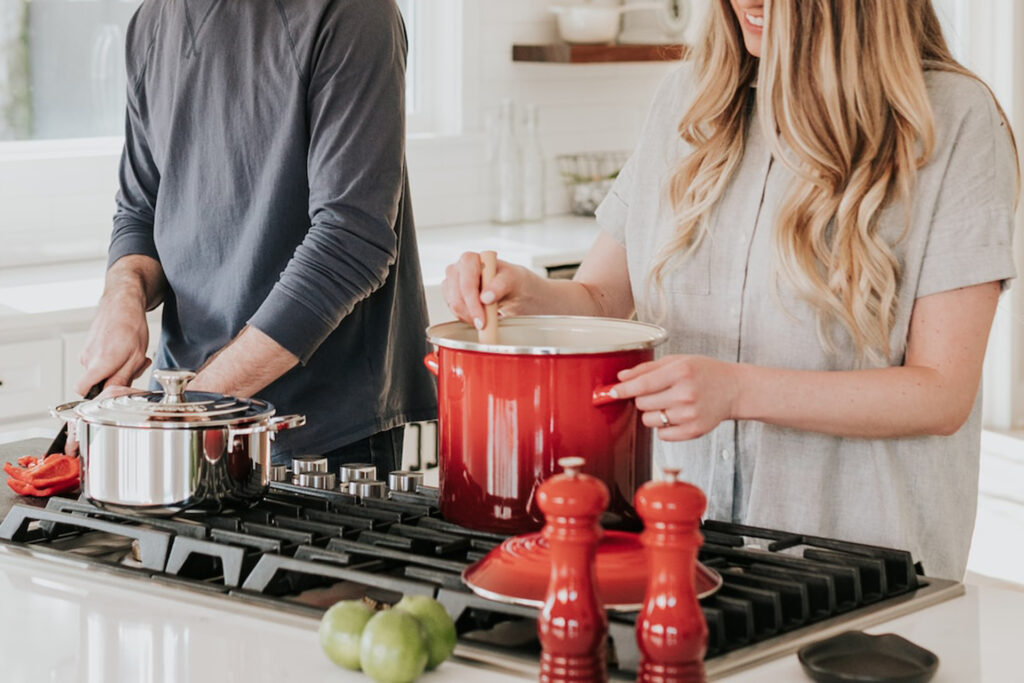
439,627
393,648
341,628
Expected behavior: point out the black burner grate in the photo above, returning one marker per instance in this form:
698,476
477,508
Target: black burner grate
298,547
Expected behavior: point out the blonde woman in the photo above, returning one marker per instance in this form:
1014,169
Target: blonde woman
820,212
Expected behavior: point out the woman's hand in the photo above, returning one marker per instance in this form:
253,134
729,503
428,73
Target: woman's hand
683,397
462,292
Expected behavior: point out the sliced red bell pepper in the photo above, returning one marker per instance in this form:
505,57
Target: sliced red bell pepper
24,489
58,470
28,461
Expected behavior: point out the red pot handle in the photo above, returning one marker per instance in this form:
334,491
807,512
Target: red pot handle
602,395
430,360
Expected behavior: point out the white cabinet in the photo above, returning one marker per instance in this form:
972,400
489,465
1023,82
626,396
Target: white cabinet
30,378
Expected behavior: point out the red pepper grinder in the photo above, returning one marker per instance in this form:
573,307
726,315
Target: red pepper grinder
572,626
671,630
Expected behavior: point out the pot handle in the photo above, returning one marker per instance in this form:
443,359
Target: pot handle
430,360
66,411
602,395
279,423
275,424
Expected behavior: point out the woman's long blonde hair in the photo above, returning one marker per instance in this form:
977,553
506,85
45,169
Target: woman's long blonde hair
841,97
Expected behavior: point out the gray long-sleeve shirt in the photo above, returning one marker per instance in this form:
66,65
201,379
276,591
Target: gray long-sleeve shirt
264,167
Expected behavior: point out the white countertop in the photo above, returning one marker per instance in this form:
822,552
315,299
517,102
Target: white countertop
70,624
65,295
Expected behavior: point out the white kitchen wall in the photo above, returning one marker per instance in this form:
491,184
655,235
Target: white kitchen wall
583,108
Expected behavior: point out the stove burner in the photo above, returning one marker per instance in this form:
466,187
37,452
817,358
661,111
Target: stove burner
301,549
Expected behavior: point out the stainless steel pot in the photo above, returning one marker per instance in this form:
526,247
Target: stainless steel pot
164,452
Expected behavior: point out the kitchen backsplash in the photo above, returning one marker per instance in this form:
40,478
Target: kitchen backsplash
582,108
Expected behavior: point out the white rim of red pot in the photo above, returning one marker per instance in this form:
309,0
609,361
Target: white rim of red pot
646,335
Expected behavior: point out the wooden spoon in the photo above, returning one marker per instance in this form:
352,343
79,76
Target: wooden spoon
488,334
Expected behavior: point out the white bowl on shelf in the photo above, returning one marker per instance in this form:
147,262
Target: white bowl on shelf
588,24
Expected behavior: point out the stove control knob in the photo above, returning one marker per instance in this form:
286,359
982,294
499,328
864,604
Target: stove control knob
309,463
405,481
278,473
316,480
356,470
369,488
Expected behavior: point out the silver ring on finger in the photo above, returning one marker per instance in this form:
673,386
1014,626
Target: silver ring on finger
664,418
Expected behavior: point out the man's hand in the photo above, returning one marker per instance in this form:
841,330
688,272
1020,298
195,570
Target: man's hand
115,348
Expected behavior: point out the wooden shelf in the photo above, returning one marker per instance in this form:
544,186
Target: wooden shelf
563,53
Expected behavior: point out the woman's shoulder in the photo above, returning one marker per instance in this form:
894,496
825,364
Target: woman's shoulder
958,97
671,99
677,88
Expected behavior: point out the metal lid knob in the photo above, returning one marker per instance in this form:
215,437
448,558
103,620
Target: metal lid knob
173,383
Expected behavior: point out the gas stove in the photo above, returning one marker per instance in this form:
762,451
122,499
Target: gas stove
302,549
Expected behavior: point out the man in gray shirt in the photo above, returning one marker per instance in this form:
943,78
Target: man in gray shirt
264,200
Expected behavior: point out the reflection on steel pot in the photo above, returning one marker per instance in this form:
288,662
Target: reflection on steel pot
164,452
508,412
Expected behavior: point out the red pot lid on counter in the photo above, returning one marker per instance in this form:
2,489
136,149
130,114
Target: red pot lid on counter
518,570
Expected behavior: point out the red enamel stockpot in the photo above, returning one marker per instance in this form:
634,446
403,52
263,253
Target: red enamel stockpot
509,411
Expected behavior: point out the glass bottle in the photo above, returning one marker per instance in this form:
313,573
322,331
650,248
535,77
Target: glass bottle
506,169
533,168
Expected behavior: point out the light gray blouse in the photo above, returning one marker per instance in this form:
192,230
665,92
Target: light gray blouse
917,493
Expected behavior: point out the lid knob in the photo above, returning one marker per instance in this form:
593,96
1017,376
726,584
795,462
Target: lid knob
173,383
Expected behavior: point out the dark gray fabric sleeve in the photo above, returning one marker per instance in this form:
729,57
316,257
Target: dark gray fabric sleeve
139,179
355,168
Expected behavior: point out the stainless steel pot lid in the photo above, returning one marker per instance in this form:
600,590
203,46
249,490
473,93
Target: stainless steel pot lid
174,407
551,335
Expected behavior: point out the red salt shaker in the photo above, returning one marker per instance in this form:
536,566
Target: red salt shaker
572,626
671,630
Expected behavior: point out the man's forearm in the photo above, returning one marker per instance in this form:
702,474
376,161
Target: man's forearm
136,277
249,363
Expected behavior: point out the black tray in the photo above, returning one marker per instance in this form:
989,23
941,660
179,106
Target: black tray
857,656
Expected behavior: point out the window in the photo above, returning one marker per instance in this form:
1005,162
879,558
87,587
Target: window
433,94
62,71
62,98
